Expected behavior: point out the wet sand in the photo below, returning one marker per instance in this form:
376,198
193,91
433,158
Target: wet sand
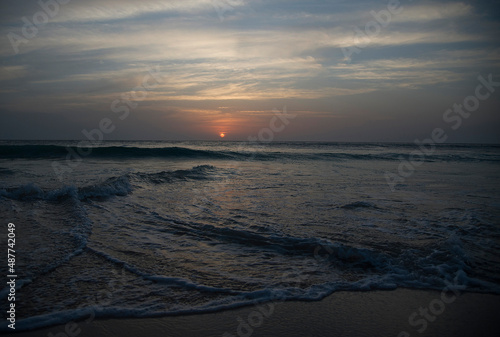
371,313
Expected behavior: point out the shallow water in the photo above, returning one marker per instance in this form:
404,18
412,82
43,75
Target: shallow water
155,228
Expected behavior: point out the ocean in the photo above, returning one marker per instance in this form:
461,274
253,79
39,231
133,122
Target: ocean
156,228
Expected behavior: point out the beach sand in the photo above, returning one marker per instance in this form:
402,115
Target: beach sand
371,313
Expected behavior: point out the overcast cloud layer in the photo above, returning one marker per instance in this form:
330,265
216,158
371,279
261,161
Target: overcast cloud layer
226,64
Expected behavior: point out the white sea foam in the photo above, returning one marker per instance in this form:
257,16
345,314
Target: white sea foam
295,221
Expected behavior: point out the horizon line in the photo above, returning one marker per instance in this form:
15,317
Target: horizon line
244,141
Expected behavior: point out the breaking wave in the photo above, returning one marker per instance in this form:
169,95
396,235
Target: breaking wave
243,153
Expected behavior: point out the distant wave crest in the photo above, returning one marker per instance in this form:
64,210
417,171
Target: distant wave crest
175,152
114,186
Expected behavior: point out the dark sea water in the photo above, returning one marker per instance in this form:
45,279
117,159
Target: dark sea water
135,229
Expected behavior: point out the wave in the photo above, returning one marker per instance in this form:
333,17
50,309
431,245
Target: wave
111,187
338,254
387,272
359,269
240,153
56,151
375,267
68,232
6,172
358,204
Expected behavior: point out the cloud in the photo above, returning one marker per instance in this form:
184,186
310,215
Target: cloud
261,52
111,10
12,72
430,12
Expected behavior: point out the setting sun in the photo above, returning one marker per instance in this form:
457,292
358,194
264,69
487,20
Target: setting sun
222,135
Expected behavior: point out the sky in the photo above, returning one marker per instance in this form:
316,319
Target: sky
305,70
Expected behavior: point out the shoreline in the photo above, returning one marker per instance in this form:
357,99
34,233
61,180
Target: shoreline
343,313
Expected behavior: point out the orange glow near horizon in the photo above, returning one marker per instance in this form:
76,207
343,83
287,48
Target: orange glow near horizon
216,125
